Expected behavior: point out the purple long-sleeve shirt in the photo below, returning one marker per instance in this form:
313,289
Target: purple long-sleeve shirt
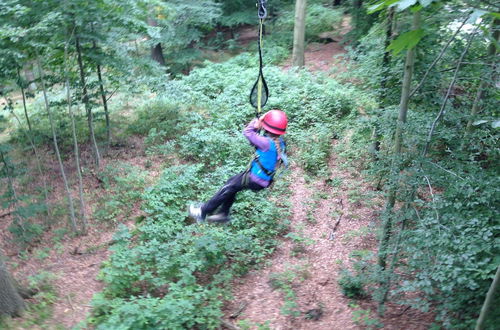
260,142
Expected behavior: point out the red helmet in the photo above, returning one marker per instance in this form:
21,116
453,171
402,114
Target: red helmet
275,121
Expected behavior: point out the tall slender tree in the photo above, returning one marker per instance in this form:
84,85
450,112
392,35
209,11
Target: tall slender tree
398,143
492,50
299,33
56,147
86,102
75,141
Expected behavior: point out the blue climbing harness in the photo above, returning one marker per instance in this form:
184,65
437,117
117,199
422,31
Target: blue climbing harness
265,163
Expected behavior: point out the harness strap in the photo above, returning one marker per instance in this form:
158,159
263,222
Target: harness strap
265,170
259,83
245,180
260,92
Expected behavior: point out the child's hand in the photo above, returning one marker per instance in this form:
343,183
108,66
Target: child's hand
258,123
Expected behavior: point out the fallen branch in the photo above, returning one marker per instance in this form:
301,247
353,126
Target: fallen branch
239,310
228,325
331,237
5,214
404,311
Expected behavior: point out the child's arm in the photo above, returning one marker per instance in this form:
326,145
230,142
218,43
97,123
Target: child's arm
251,133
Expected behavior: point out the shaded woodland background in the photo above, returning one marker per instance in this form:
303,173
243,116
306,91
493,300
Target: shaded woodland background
414,102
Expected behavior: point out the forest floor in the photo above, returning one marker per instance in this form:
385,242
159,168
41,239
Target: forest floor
75,261
333,219
300,276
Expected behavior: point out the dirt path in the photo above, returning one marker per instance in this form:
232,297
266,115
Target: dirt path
310,259
316,209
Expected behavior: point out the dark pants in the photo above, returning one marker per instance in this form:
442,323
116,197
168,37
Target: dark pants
225,197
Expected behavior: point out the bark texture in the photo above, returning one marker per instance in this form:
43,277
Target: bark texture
299,33
11,302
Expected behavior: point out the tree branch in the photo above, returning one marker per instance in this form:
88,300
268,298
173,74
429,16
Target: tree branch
438,57
445,100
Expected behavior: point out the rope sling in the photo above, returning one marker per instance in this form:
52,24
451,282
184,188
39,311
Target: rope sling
260,92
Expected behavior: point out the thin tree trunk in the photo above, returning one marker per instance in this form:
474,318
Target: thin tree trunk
448,93
30,76
75,146
88,108
492,50
103,97
299,33
11,302
56,147
105,106
24,101
386,61
12,189
403,110
489,299
387,276
29,136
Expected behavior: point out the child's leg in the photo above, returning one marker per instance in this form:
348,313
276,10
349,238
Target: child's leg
225,196
226,205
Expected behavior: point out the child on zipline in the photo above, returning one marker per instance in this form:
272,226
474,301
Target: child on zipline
270,153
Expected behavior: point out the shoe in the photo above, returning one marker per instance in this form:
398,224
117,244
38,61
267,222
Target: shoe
195,213
219,218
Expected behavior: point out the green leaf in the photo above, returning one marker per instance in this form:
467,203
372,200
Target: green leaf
425,3
479,122
381,5
403,4
407,40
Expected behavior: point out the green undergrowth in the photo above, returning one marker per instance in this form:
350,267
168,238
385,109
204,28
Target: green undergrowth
167,272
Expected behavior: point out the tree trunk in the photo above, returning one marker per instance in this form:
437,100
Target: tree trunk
391,199
29,135
157,54
386,61
488,301
30,76
11,303
492,49
75,146
299,33
24,101
38,164
156,50
88,108
8,168
104,101
105,105
56,147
